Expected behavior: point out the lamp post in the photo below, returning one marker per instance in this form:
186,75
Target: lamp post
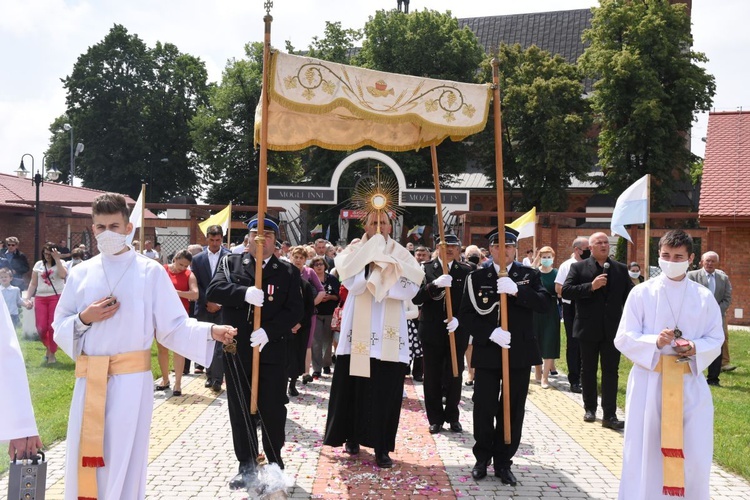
37,179
68,127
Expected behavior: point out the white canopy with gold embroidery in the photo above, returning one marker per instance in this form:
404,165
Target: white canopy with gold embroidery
320,103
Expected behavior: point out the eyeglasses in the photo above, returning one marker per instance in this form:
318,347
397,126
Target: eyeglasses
319,264
11,244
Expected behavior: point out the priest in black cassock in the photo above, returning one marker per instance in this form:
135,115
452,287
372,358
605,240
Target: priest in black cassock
373,351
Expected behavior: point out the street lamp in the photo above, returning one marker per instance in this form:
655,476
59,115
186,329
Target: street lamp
73,152
37,179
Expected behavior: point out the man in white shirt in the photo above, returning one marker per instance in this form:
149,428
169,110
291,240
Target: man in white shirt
573,350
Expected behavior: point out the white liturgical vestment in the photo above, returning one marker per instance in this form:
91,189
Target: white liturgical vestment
652,306
149,306
17,415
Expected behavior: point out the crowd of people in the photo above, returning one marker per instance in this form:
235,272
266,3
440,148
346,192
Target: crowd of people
369,315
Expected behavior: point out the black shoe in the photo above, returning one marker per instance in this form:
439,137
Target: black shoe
177,393
208,383
456,426
590,416
576,388
506,476
351,448
316,375
306,379
326,370
613,423
714,383
469,383
435,428
553,373
293,387
216,386
243,478
480,470
417,378
383,460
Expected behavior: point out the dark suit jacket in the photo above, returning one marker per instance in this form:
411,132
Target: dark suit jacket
597,312
482,286
202,270
432,315
282,307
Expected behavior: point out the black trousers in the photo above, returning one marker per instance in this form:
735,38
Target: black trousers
365,411
215,372
714,370
573,348
488,414
591,351
271,416
439,381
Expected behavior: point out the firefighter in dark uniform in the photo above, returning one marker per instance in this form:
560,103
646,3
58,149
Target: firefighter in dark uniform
479,314
438,371
282,307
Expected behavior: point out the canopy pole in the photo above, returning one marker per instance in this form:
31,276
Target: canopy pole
448,301
501,238
262,203
647,232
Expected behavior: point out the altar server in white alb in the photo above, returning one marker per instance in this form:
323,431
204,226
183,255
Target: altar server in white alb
671,329
112,306
17,423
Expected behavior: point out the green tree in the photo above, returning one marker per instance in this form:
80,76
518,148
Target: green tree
222,132
428,44
131,106
545,120
649,85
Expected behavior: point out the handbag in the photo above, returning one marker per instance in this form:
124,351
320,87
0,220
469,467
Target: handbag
336,320
28,478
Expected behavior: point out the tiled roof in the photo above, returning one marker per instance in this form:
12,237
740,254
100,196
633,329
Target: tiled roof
556,32
13,189
725,188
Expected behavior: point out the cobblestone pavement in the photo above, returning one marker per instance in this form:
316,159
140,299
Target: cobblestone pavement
560,456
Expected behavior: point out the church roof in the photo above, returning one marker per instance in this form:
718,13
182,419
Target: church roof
556,32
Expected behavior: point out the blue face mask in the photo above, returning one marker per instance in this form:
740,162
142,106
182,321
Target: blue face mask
547,261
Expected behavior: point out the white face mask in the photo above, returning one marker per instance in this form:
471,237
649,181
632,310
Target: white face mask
110,242
634,274
674,270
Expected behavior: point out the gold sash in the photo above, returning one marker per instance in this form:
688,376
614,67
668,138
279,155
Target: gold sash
96,370
363,337
672,417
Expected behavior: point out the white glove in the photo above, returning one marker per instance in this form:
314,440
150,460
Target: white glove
506,285
259,337
254,296
451,325
443,281
501,337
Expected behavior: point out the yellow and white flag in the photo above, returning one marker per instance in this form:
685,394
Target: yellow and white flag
525,224
219,219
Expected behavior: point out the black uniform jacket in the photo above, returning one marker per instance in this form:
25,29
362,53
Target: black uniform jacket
598,312
480,295
282,307
432,299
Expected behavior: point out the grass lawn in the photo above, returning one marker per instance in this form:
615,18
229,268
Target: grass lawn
51,391
731,404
